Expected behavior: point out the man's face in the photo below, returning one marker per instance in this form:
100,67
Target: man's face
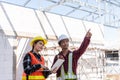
64,44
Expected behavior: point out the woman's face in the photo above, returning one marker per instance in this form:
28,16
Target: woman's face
38,46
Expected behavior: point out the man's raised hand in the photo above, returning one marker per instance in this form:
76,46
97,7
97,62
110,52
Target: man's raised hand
88,34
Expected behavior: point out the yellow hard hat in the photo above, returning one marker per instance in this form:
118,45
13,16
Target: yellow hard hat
38,38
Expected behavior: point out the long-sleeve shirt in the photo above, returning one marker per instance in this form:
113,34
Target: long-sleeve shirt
28,68
76,55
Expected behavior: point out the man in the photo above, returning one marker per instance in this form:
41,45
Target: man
33,62
68,69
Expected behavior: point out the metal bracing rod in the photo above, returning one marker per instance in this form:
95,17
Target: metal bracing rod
116,27
84,18
97,62
112,3
90,15
97,17
87,62
72,10
8,19
54,5
101,31
113,69
118,1
88,5
83,71
114,21
67,30
96,68
50,25
26,3
52,55
94,12
81,9
21,55
41,24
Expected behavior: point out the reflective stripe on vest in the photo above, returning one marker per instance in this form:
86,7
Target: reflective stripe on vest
34,78
70,74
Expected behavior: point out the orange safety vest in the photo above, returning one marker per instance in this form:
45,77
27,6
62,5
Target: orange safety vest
37,75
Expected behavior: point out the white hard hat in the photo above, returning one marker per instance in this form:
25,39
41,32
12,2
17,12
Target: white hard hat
61,37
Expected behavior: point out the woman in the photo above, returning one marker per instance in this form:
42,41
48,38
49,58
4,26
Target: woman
33,62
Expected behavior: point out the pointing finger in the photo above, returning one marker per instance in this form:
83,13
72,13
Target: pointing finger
89,30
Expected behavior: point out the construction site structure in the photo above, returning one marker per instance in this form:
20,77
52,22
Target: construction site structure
97,63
